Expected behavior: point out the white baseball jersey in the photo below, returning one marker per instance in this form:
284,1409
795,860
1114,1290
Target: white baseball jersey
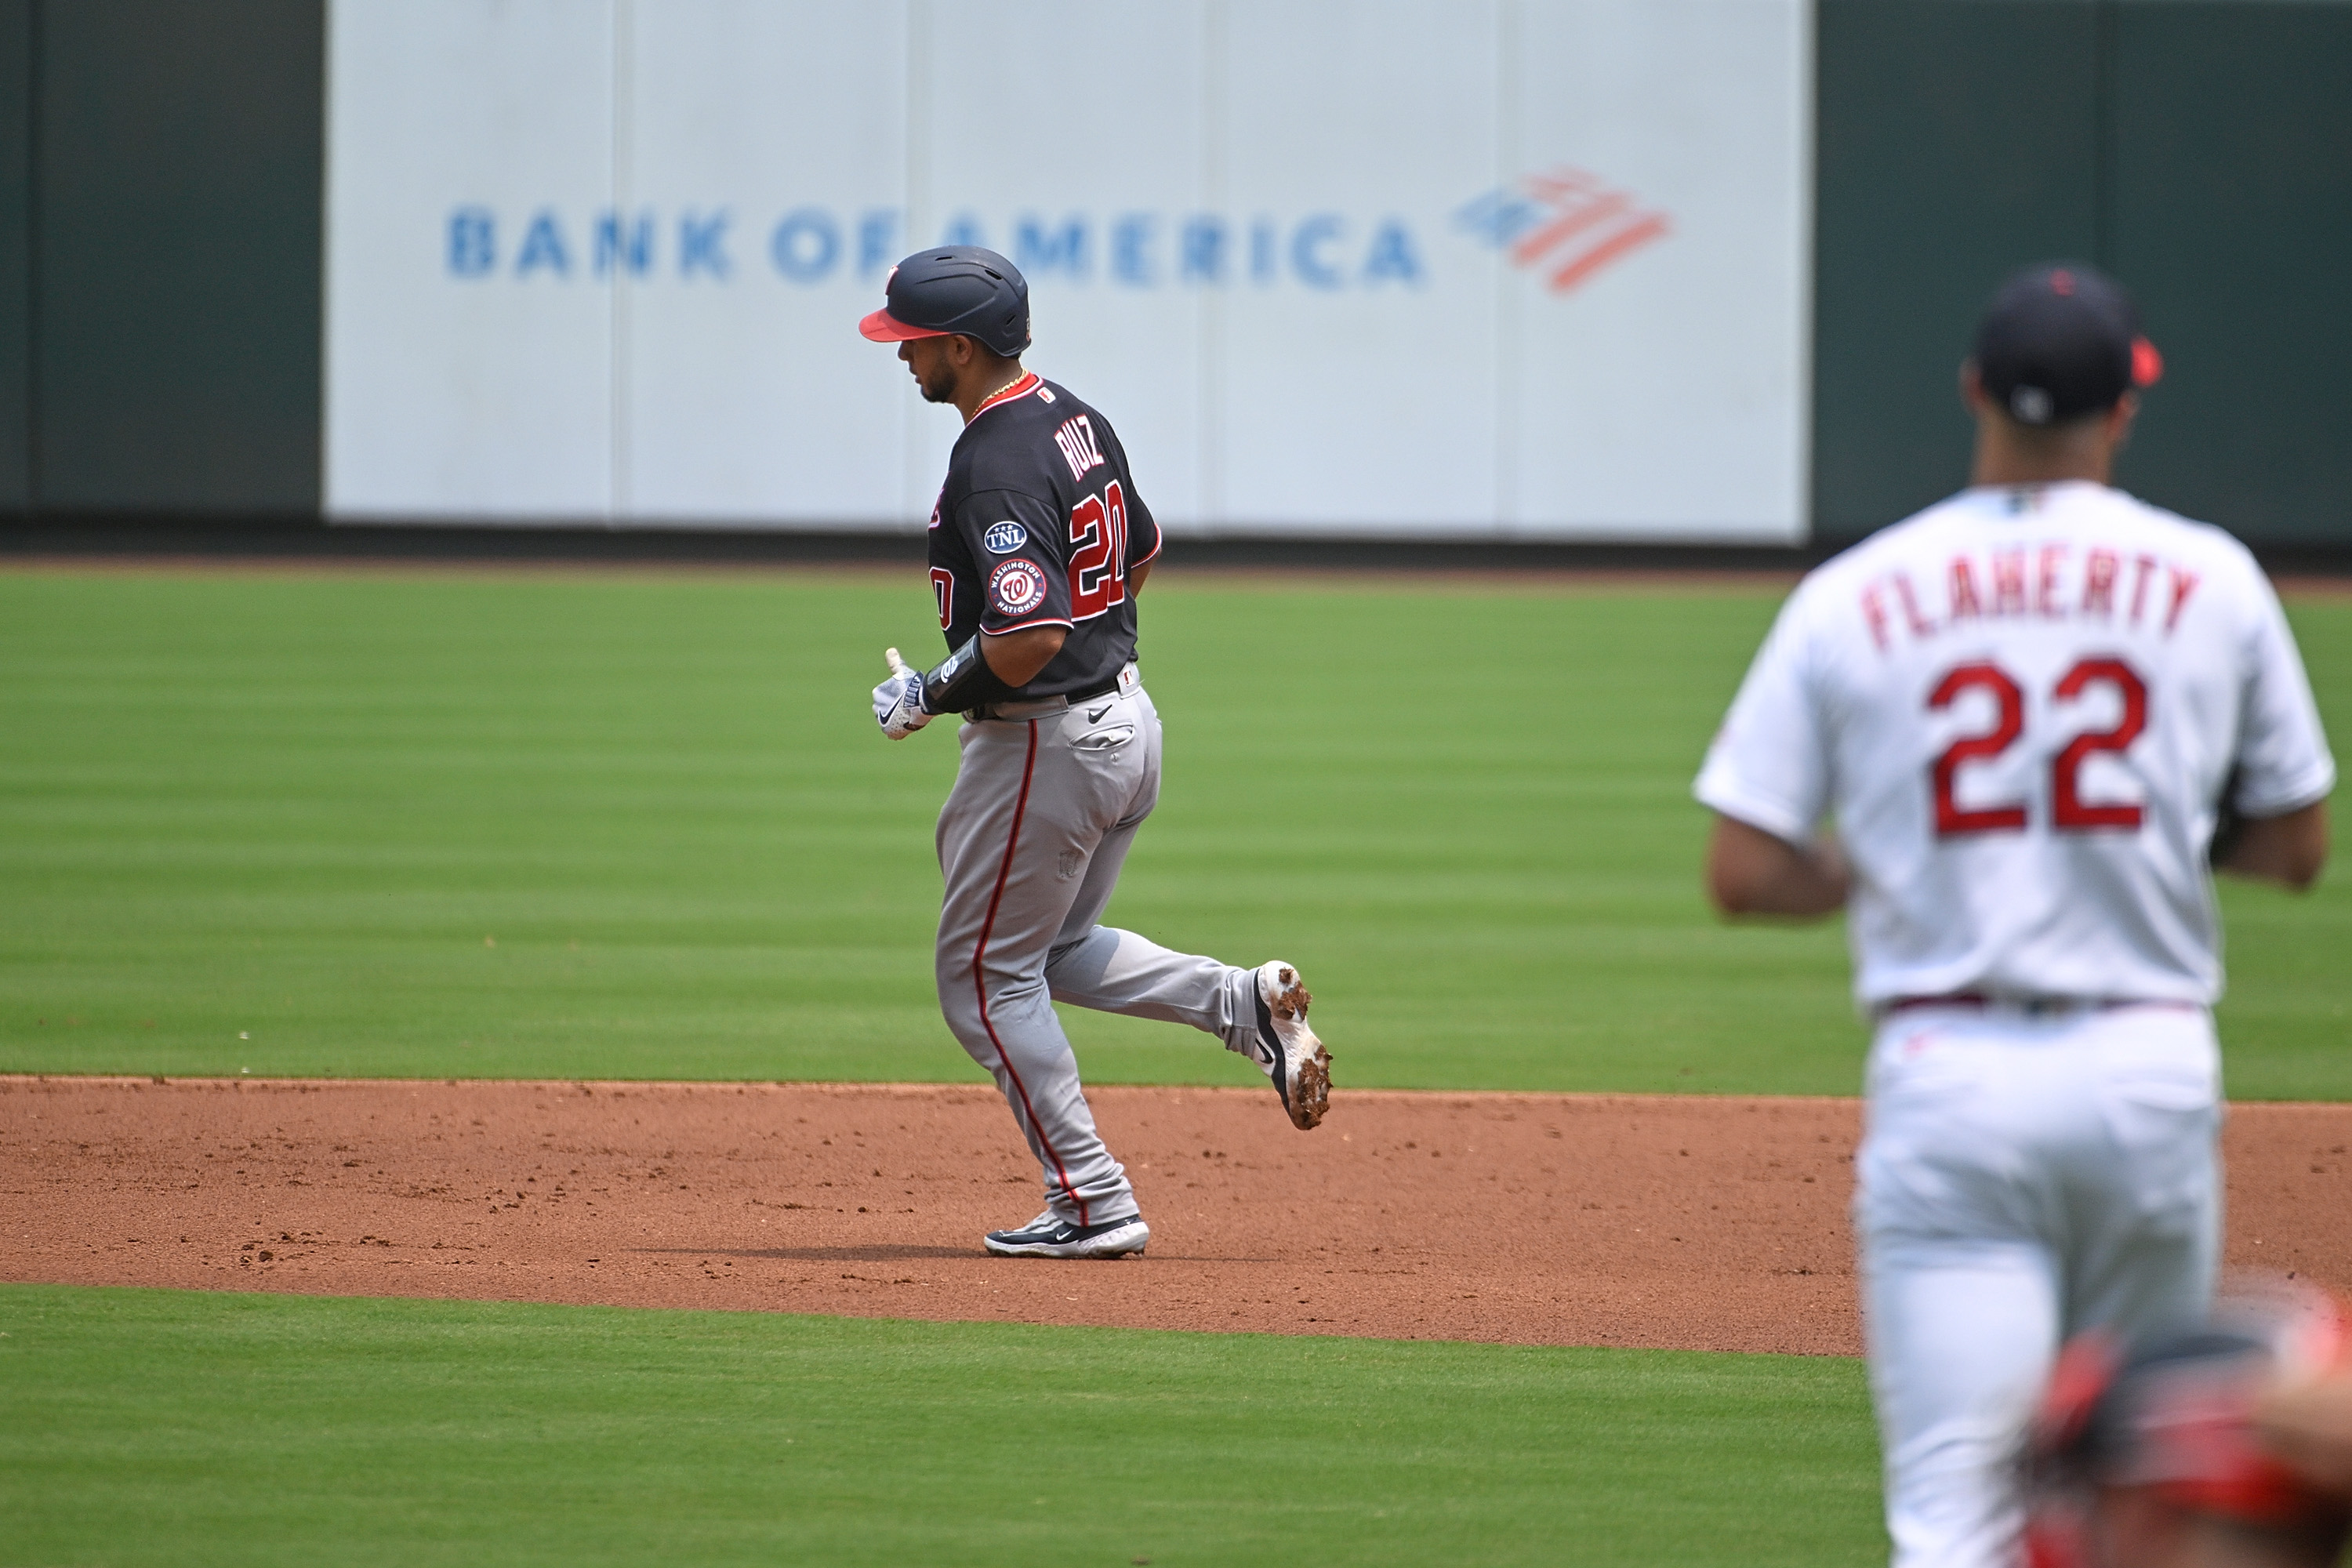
2022,707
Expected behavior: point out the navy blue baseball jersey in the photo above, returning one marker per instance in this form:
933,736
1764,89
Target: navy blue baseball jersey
1038,525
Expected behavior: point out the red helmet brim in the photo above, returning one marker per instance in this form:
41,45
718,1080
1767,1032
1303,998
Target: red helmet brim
883,327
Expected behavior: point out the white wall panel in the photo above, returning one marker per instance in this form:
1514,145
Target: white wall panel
749,394
1359,391
1072,144
1492,268
470,361
1666,395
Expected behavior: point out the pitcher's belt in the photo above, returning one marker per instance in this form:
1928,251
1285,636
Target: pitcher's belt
1126,681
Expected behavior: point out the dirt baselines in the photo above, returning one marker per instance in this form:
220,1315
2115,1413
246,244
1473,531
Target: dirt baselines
1684,1221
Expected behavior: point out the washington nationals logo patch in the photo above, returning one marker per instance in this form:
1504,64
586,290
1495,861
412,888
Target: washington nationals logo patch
1016,587
1004,538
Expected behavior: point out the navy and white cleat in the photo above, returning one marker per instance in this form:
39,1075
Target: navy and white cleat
1288,1049
1048,1236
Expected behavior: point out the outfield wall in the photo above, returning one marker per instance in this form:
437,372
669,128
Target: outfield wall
1569,269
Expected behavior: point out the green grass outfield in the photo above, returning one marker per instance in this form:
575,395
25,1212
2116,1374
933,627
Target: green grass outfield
605,826
153,1427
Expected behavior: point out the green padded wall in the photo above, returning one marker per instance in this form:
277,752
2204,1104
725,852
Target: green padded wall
1958,139
2232,222
15,253
178,152
2200,149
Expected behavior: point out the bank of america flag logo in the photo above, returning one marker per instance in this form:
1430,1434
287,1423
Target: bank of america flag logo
1566,224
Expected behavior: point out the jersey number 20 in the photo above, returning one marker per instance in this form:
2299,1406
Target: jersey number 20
2069,812
1098,553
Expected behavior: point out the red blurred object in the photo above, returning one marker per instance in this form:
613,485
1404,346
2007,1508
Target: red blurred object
2176,1417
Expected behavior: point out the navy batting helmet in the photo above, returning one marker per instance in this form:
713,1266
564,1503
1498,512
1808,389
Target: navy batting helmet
959,288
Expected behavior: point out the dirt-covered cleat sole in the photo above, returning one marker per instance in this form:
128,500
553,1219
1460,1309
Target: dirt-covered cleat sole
1288,1048
1049,1236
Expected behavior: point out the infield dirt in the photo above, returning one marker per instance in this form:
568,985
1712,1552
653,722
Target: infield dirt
1678,1222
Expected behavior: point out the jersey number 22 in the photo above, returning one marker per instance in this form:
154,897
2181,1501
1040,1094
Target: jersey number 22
2070,813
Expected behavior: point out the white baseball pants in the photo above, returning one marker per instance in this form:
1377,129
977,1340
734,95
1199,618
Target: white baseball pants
1030,843
2022,1178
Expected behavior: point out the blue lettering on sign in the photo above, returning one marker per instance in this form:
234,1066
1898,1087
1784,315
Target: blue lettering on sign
472,252
805,244
1200,253
625,244
1130,249
1307,258
1036,251
1004,538
701,244
809,245
1262,241
877,241
543,246
1391,254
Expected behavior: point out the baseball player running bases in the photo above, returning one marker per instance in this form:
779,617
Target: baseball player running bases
1039,546
2033,711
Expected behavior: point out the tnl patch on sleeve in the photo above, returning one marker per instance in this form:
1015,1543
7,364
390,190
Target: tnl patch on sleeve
1016,587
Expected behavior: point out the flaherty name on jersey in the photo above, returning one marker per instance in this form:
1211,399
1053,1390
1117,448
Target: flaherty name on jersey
2129,589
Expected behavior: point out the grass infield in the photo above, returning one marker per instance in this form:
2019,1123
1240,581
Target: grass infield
642,827
166,1426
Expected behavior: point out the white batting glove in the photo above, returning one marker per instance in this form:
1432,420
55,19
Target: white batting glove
899,701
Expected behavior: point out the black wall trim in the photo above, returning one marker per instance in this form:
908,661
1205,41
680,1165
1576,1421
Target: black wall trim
160,539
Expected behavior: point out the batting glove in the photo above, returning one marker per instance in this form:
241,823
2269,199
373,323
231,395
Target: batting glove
899,701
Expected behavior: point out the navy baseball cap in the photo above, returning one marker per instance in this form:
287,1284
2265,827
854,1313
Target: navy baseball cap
959,288
2060,340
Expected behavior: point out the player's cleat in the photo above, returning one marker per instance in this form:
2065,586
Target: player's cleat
1288,1049
1048,1236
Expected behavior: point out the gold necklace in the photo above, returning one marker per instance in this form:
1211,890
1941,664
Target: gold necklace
1012,389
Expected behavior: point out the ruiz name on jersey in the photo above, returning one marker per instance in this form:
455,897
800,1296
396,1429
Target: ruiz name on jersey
1038,525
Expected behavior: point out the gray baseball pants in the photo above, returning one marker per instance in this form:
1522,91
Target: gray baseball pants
1030,842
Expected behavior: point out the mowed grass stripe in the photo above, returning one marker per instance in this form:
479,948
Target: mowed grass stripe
613,827
164,1426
